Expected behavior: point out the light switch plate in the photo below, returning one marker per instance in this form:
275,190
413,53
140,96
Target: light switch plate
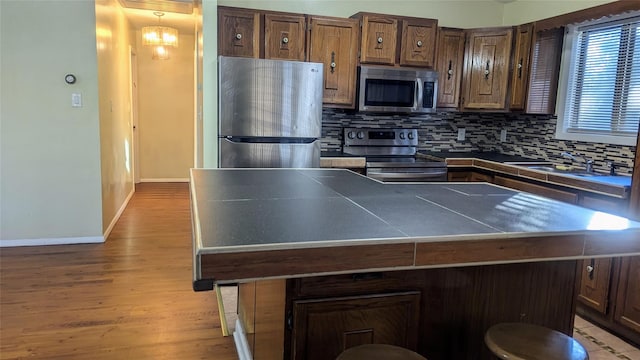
461,134
76,100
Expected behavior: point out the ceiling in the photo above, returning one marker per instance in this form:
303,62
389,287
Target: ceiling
177,13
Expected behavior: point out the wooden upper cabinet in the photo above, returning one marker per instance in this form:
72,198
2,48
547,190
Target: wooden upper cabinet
545,71
486,69
379,40
449,66
521,64
284,37
334,42
238,32
418,42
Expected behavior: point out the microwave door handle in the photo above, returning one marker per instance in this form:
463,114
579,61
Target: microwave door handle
418,98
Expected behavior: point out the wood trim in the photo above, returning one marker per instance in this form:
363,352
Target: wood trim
483,251
262,264
612,243
592,13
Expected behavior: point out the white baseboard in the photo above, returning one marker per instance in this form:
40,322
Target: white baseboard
53,241
242,345
118,214
165,180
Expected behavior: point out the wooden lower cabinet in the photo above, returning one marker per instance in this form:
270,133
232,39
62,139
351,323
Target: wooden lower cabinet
627,311
469,176
441,313
324,328
594,286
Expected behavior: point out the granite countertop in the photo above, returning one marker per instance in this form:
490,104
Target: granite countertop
288,218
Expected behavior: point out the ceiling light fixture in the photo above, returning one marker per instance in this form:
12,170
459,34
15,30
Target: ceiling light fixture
159,35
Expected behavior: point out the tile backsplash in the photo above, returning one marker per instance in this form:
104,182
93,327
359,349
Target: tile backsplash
532,136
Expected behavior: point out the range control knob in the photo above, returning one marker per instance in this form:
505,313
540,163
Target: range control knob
411,135
351,135
361,135
402,136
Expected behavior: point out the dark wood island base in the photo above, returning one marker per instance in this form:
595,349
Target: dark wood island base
439,313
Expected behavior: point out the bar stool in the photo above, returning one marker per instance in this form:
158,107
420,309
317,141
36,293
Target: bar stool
519,341
378,352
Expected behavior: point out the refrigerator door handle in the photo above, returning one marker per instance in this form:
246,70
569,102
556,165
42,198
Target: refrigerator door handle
269,140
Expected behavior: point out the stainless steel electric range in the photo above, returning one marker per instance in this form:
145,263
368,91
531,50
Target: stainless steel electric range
391,155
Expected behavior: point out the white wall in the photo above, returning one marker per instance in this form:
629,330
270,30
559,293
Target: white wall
524,11
114,39
49,151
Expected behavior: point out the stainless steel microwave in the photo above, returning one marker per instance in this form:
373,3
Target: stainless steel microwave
400,90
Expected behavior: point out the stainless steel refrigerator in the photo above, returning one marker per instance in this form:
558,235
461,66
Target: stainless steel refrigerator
270,113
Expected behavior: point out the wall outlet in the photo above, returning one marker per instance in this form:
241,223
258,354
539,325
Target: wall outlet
503,135
461,134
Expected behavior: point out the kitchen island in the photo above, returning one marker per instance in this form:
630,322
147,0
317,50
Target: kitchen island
327,259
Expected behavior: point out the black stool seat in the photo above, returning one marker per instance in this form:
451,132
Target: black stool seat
519,341
378,352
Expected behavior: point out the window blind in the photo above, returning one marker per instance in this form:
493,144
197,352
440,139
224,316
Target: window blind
604,86
545,67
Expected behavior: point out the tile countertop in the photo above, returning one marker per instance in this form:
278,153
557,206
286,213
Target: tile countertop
264,223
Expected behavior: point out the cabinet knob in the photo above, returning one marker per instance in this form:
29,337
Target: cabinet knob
419,43
285,40
238,36
380,40
589,268
486,71
450,72
333,65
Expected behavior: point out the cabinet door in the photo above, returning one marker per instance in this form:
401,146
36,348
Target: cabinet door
284,37
520,74
238,32
326,327
487,68
379,40
334,42
628,305
449,66
594,286
418,42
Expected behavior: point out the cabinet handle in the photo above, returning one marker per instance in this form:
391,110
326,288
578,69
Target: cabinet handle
285,40
380,40
238,36
419,43
333,61
450,71
486,71
589,268
520,69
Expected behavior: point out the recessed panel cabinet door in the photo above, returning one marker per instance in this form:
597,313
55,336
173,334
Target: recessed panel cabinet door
520,75
324,328
334,42
486,75
594,287
379,40
449,66
284,37
418,42
238,32
628,307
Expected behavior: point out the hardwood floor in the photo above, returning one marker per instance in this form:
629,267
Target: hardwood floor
129,298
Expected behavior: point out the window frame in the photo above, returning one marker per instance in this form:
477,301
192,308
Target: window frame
567,68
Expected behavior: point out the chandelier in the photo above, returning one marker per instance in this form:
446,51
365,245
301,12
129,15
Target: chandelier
160,37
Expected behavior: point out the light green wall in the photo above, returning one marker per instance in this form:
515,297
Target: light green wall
524,11
454,13
49,151
209,136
